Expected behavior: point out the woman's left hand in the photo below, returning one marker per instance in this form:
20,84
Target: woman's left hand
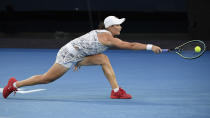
76,67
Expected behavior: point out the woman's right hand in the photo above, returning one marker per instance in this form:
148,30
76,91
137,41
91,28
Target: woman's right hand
156,49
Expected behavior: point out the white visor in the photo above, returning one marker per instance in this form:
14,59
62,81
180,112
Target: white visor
112,20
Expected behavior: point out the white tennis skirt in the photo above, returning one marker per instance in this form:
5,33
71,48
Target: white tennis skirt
68,55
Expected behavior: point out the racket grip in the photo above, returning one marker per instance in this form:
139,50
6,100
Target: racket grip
165,50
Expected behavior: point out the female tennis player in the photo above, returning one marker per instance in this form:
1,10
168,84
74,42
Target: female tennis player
86,50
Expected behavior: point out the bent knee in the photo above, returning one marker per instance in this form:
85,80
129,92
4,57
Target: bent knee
103,59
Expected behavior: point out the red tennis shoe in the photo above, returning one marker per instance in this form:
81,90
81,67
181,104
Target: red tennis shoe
9,88
121,94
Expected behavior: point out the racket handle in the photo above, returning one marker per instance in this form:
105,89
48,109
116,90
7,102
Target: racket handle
165,50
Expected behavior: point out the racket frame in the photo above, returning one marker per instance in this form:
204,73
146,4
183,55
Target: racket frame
178,49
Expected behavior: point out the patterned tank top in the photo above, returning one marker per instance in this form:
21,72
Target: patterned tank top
88,44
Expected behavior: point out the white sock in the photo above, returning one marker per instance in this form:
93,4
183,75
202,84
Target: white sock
14,84
116,90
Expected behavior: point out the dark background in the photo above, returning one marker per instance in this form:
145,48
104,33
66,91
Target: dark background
52,23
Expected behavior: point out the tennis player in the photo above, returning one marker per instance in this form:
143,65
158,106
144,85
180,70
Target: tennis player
86,50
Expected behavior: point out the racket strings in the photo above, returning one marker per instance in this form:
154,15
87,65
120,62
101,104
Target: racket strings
187,50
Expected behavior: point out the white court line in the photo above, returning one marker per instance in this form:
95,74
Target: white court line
25,91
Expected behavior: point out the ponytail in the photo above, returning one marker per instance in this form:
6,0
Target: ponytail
101,25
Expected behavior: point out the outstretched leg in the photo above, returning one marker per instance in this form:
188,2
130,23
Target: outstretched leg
51,75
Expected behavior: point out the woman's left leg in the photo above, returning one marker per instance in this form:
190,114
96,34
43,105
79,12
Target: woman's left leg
55,72
51,75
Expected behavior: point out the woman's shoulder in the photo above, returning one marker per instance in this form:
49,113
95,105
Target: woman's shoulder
102,31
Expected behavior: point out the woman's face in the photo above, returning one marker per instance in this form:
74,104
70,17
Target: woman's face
115,29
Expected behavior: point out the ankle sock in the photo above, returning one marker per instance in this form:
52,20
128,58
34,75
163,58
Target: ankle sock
14,85
116,90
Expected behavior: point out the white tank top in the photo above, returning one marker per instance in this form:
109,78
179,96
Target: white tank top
88,44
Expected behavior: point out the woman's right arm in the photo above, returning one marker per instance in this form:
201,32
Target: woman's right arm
111,41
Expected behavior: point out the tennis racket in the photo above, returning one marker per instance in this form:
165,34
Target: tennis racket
187,50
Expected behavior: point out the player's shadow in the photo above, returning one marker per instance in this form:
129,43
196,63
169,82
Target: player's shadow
97,100
79,100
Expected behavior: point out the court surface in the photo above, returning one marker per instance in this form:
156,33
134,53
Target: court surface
162,86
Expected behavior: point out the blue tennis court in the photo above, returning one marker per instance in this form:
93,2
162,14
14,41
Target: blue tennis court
162,86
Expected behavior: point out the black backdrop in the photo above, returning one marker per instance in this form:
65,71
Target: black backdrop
83,15
44,19
199,19
95,5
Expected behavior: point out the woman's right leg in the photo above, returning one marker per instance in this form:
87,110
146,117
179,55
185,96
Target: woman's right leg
51,75
103,60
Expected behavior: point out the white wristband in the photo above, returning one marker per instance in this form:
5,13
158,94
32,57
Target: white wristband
149,46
